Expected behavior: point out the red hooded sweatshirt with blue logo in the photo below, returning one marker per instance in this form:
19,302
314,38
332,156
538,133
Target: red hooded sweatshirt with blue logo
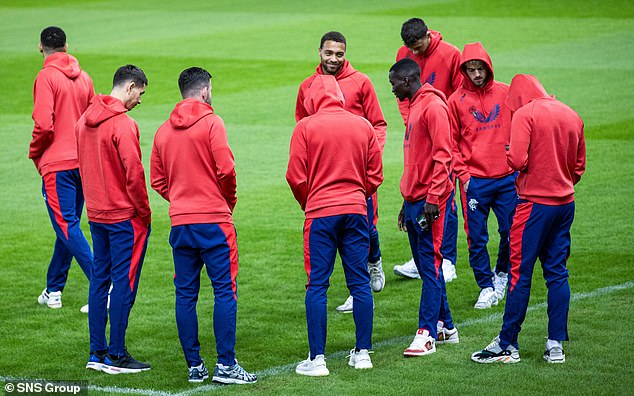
480,122
110,164
359,95
427,148
61,93
193,167
335,159
547,144
439,67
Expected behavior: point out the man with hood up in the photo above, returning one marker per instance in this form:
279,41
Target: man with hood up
480,125
119,216
425,187
360,99
193,168
439,64
548,149
61,93
334,165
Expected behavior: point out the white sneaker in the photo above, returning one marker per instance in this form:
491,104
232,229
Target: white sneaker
499,284
422,345
346,307
377,277
52,300
84,309
360,360
42,299
486,299
446,336
448,270
407,270
555,355
313,368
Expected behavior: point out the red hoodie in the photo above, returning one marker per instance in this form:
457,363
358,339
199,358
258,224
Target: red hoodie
61,93
427,148
359,96
480,122
439,66
192,165
547,144
110,163
335,159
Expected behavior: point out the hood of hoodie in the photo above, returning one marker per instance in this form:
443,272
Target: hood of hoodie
425,90
435,39
65,63
323,93
346,70
523,89
188,112
102,108
475,51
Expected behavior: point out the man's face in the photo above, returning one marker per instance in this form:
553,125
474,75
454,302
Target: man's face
477,72
420,46
399,86
134,93
332,55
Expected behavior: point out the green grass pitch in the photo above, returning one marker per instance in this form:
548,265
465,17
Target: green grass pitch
258,53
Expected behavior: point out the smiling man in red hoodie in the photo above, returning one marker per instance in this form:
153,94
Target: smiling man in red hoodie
480,124
360,99
548,149
193,168
334,165
425,186
61,93
119,215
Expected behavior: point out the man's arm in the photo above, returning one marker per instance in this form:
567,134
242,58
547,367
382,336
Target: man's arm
43,118
157,173
375,165
297,171
517,152
225,163
458,163
580,166
373,113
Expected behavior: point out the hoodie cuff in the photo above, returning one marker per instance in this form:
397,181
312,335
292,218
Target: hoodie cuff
433,199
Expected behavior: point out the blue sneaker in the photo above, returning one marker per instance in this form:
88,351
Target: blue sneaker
198,373
96,360
233,374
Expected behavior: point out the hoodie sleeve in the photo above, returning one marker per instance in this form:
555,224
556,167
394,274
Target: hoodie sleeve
300,110
157,173
458,164
375,165
43,111
225,163
373,113
126,140
580,165
456,75
517,154
297,171
439,131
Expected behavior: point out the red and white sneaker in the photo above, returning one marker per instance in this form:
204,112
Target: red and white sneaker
422,345
446,336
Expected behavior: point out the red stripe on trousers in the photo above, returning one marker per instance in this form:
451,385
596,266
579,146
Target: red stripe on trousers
375,209
307,225
50,187
465,212
140,237
230,234
437,232
522,214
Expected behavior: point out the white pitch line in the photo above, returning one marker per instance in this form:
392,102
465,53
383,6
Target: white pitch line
288,368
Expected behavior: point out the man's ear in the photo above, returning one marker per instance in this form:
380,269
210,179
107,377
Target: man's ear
406,81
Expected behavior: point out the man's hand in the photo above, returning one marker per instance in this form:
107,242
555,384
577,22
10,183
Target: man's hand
401,220
466,185
431,213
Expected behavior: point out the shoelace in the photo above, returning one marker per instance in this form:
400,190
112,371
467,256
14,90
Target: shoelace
352,352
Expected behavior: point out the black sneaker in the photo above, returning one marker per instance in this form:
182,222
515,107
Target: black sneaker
96,360
198,373
125,364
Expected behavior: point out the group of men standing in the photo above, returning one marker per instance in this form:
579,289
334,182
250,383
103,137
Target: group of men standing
460,124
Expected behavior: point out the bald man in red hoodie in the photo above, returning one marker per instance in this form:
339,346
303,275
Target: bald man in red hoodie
192,167
360,99
334,165
119,216
547,147
61,93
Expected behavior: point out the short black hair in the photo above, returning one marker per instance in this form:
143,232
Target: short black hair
406,67
413,30
192,79
332,36
129,73
53,38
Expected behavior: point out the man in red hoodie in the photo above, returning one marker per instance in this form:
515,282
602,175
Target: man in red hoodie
334,165
548,149
61,93
119,215
480,124
425,186
360,99
439,64
192,167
